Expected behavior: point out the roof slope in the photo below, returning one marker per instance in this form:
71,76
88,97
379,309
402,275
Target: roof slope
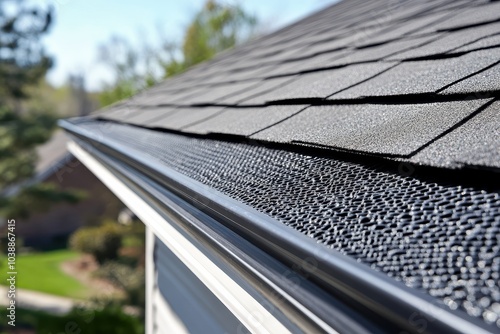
400,79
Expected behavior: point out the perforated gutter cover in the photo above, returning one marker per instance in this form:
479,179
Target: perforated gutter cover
343,140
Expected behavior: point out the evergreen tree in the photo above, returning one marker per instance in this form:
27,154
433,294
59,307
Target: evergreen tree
23,63
22,58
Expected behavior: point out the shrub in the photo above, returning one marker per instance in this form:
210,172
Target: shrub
98,320
103,242
132,280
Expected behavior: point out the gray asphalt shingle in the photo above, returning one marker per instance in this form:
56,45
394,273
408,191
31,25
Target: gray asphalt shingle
119,112
385,50
323,83
142,116
183,117
485,42
451,41
476,143
410,27
220,93
472,16
419,77
486,81
382,129
323,60
263,88
244,121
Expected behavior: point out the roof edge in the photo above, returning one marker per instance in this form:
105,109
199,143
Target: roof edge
331,270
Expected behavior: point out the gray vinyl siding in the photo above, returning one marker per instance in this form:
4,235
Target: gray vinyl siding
181,302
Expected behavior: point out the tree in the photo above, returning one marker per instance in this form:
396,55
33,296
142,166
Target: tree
130,68
23,64
215,28
22,60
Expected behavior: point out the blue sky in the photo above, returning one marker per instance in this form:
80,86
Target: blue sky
81,26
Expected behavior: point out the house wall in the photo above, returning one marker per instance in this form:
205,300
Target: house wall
178,302
59,220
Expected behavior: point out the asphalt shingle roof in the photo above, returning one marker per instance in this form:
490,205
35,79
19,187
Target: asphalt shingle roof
404,80
372,128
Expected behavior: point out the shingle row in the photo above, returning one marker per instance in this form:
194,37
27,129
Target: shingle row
315,81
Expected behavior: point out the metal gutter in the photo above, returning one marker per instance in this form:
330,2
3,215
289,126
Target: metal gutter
380,298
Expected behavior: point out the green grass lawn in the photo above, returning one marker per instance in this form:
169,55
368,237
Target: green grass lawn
41,272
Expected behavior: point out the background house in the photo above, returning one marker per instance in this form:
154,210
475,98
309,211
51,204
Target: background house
52,227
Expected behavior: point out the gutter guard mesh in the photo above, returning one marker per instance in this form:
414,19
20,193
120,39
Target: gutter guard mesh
442,239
